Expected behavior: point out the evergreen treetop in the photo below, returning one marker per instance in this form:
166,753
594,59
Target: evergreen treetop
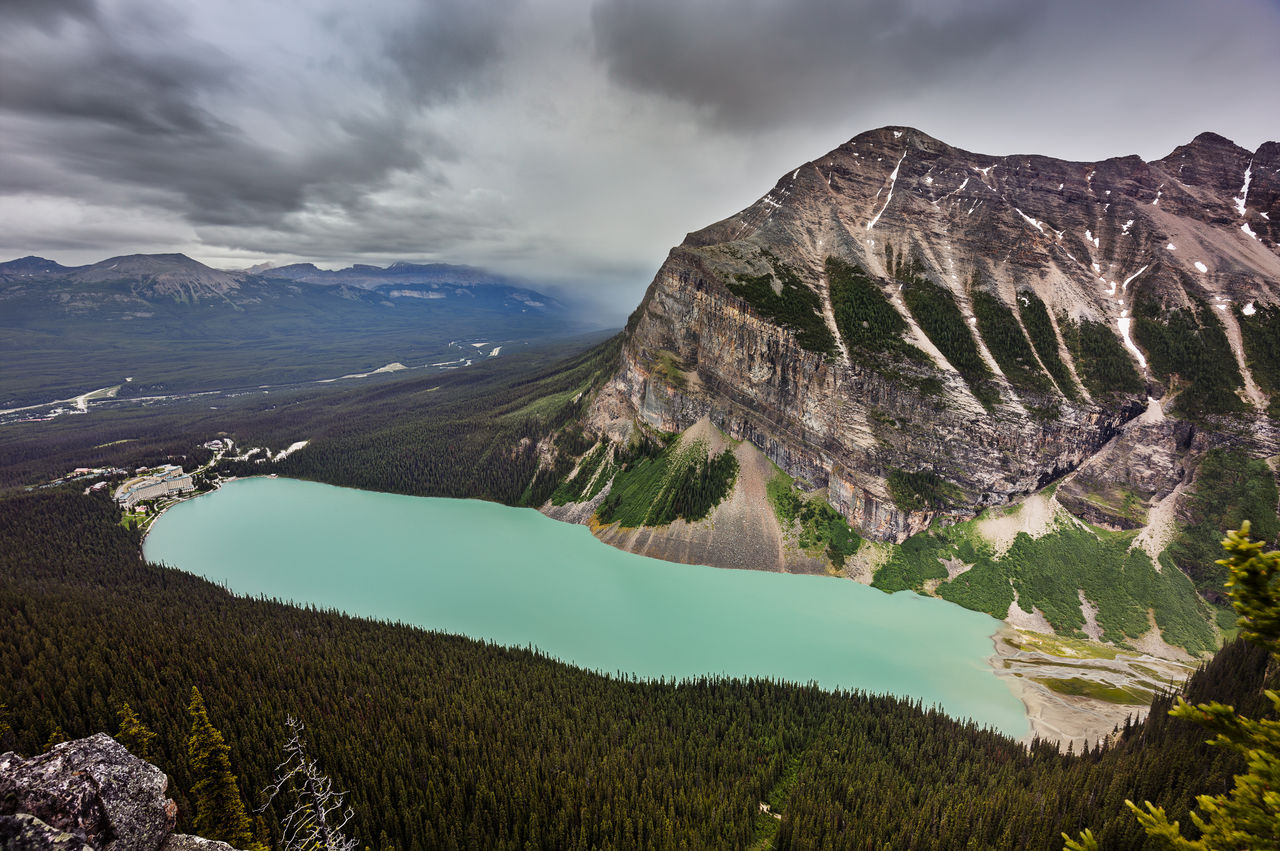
219,811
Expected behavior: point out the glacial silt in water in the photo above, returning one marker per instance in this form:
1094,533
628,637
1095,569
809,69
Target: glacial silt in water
518,578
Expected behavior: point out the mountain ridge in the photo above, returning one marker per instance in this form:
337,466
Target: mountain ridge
174,323
180,278
1095,243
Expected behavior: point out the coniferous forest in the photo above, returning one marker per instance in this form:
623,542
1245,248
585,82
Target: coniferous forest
444,742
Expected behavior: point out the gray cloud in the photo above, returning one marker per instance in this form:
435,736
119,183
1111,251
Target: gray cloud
448,46
107,82
164,111
570,141
47,15
755,64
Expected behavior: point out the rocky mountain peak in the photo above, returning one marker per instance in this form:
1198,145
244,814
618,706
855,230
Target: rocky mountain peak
902,308
174,276
30,265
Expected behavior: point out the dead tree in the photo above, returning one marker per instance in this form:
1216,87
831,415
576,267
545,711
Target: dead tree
317,815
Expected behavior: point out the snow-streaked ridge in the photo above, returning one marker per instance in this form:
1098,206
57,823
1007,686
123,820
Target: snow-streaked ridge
893,180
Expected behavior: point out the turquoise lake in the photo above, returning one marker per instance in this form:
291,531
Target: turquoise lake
515,577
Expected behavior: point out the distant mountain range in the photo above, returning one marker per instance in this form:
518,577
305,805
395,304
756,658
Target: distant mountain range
363,275
178,324
178,278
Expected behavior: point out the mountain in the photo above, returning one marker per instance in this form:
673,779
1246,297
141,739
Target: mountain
177,324
27,266
1046,380
140,279
151,276
363,275
901,308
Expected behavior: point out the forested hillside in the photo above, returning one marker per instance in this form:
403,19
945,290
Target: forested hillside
446,742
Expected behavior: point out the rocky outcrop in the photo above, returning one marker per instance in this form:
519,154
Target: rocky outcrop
89,794
1138,468
1088,239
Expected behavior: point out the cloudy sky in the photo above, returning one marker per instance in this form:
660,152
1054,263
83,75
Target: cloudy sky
572,142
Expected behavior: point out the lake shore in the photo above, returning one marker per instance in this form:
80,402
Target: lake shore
1076,691
436,563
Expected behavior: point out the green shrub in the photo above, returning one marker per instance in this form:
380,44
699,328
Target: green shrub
1049,573
921,491
821,526
911,563
679,483
935,309
982,588
582,485
1261,333
869,325
1192,346
1229,488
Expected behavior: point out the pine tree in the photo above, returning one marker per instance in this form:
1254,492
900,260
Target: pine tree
1248,816
56,737
220,812
133,734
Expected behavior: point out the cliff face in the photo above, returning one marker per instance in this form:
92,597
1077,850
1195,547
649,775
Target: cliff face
926,226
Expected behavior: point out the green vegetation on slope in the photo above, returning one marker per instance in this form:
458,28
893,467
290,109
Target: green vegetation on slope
935,309
1035,318
459,433
1244,816
1191,345
669,368
445,742
792,304
680,483
821,526
1008,344
868,323
584,484
924,490
1261,334
912,563
1101,361
1229,488
465,445
1049,573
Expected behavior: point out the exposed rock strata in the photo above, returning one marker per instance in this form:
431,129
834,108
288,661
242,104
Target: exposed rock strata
1087,238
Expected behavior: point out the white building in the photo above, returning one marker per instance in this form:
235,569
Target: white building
169,481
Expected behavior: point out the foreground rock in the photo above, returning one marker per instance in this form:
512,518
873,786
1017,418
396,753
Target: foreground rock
89,793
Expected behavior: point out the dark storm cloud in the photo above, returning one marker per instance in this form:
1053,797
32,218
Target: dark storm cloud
568,140
45,14
448,46
145,103
108,83
755,63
